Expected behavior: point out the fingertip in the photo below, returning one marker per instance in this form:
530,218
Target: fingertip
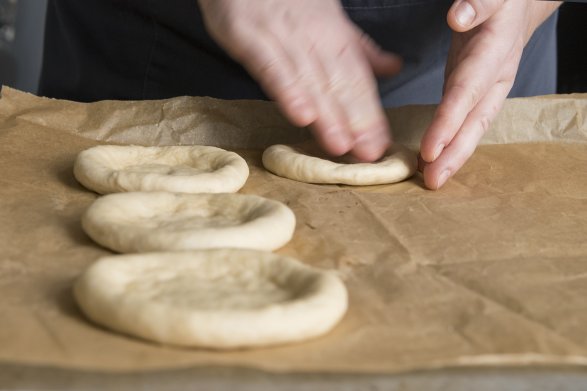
465,15
434,180
437,151
333,139
367,154
337,148
387,64
442,178
382,62
371,147
461,16
430,151
301,112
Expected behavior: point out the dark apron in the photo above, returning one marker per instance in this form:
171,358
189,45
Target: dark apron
153,49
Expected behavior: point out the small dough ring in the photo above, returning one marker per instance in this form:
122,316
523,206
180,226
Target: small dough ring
186,169
161,221
291,162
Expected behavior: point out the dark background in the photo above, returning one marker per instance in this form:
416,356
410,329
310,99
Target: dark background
572,48
21,50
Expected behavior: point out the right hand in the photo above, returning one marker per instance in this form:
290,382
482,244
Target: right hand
481,69
315,63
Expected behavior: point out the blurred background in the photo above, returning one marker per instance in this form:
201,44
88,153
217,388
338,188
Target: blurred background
22,23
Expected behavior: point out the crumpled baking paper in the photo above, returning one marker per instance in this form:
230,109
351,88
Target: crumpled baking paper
489,270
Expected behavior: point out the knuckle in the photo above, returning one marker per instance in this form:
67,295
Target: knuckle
467,152
357,85
496,4
269,71
367,42
275,80
486,8
485,122
444,112
474,94
471,93
307,81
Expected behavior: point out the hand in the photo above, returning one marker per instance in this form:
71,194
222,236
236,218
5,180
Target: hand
485,52
314,63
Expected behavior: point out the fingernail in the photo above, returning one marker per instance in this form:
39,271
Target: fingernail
438,151
465,13
443,178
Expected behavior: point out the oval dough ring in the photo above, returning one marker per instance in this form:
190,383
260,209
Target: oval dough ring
161,221
188,169
289,162
212,298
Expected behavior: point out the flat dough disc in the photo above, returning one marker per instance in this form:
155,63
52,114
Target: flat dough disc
212,298
161,221
187,169
307,164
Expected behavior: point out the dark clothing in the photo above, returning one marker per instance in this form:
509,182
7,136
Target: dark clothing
572,41
152,49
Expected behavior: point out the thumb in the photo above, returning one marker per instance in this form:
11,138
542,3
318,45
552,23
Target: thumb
467,14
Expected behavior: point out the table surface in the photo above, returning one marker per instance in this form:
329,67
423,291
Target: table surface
15,377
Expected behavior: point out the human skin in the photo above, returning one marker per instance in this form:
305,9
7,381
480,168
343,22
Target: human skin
322,71
487,43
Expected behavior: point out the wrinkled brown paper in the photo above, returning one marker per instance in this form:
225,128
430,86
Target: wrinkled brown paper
492,269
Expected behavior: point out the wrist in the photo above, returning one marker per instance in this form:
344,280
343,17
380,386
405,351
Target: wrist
539,12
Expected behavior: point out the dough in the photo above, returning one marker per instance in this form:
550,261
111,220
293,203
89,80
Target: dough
161,221
187,169
212,298
307,164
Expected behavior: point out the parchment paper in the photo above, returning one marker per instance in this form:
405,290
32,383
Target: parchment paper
492,269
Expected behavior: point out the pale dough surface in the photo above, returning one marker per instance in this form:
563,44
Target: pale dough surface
212,298
302,164
161,221
188,169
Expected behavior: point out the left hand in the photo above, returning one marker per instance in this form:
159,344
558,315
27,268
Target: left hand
483,60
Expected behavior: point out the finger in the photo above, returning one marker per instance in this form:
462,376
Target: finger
382,63
464,143
330,134
467,14
352,85
370,145
465,88
331,129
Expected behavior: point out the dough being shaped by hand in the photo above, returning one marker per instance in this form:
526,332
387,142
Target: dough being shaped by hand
219,299
306,163
186,169
161,221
